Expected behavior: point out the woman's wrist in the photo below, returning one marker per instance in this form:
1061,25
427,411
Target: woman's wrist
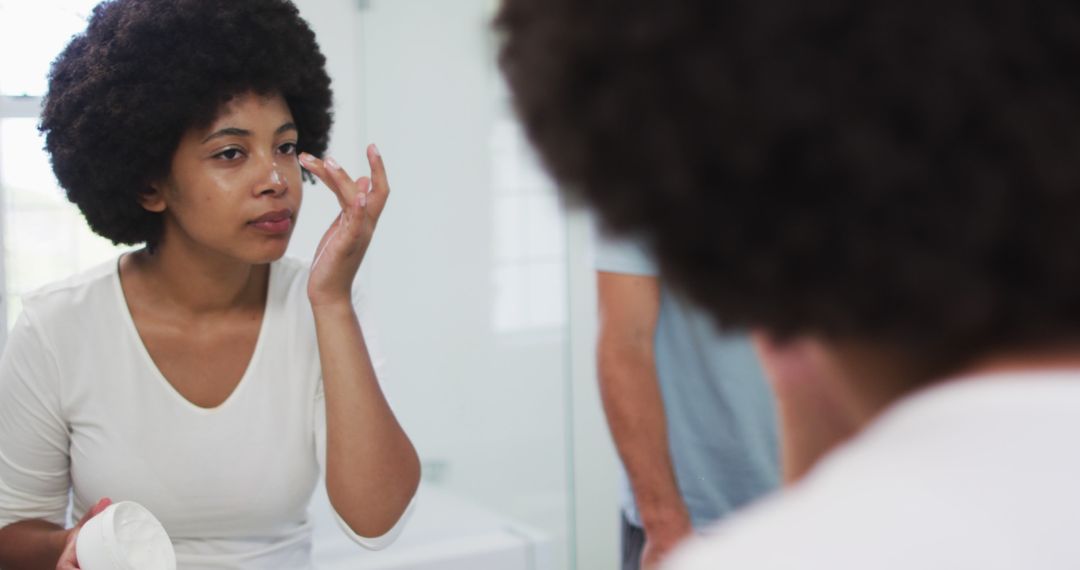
59,539
335,296
333,307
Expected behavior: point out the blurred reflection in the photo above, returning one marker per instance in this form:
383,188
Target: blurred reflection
529,237
467,277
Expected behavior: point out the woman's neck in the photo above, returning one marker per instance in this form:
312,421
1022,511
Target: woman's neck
196,284
1062,356
871,379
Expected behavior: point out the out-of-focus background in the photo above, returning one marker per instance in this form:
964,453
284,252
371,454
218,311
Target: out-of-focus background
480,279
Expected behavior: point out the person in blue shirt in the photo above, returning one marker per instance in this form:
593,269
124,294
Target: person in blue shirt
690,412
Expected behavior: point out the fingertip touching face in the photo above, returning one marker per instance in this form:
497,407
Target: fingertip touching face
235,187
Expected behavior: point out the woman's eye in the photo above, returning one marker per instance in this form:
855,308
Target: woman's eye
229,154
287,148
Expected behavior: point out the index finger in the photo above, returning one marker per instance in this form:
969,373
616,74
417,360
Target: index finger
379,182
95,510
328,171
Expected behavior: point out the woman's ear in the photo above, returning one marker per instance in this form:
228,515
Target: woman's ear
812,412
153,198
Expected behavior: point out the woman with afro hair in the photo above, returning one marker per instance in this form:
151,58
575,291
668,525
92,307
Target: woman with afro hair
203,376
888,194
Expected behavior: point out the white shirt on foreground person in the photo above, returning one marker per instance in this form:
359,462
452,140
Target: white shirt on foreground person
84,407
975,473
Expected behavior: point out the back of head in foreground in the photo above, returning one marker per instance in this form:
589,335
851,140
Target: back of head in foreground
903,174
897,180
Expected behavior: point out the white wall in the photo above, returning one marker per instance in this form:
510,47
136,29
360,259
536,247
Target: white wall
596,497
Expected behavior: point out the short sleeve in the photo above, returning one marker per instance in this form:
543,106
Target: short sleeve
378,361
34,461
621,255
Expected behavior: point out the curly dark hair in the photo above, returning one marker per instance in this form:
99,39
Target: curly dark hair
902,173
122,94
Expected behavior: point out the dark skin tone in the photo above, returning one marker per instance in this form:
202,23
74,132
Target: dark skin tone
229,205
202,356
813,416
830,389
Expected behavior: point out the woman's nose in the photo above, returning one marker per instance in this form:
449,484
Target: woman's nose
274,181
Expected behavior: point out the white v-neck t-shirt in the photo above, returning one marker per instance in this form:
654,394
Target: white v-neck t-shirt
83,407
978,473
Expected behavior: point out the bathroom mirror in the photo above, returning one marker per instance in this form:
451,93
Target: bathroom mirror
469,276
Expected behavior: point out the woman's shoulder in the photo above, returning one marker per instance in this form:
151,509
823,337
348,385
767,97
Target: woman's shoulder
82,290
288,288
289,277
291,268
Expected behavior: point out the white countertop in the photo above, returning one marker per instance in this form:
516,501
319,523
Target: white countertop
444,532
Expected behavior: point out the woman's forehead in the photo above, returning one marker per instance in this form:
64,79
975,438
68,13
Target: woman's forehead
250,112
253,107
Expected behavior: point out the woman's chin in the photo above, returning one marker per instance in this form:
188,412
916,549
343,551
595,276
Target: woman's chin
269,253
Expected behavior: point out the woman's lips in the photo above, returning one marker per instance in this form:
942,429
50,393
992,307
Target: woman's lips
276,222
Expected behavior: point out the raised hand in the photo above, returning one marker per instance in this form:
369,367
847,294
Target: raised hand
344,244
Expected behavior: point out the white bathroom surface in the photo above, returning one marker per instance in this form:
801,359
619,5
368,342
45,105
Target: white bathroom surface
444,532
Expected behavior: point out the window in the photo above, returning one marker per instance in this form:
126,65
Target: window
529,240
43,237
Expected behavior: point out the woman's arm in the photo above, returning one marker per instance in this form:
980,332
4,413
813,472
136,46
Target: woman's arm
34,479
31,545
372,470
36,543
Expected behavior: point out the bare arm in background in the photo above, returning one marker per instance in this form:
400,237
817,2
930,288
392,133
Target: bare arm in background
630,391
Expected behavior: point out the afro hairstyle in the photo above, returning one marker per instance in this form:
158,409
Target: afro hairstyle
122,94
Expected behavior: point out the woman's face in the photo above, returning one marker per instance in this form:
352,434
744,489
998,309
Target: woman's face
234,190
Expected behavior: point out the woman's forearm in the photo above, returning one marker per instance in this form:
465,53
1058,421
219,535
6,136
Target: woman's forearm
31,545
372,470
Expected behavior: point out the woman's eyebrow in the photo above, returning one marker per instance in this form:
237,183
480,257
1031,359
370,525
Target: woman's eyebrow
228,132
238,132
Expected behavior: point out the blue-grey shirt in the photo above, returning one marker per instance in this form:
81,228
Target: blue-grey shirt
722,427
